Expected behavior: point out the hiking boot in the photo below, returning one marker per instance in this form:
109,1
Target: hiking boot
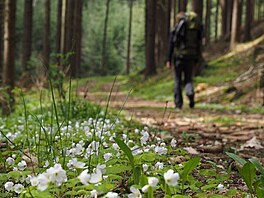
191,103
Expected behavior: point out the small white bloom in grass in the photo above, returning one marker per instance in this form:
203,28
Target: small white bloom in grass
84,177
171,178
135,193
96,177
14,156
74,163
107,156
28,178
34,181
10,161
43,181
94,193
57,175
111,195
145,188
220,187
161,150
153,181
18,188
46,164
9,186
159,165
22,165
145,167
101,167
115,146
173,143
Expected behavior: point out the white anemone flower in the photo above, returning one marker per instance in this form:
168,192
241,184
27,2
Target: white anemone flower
43,181
96,177
171,178
57,175
74,163
173,143
145,167
34,181
111,195
9,186
107,156
153,181
10,161
145,188
135,193
94,193
84,177
22,165
18,188
159,165
220,187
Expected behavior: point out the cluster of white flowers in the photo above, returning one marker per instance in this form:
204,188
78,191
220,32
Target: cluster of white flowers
55,175
17,188
93,178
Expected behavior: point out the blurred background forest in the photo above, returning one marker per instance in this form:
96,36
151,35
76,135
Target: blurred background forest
81,38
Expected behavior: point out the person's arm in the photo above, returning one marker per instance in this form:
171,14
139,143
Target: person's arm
170,50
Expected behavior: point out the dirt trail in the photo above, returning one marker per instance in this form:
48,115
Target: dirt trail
209,129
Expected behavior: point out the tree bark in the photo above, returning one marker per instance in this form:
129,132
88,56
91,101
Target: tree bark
9,55
105,38
27,34
1,35
150,68
208,21
129,36
249,20
216,20
76,65
197,7
223,4
235,31
58,31
46,39
182,5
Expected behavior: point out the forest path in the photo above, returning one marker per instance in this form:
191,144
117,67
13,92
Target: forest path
205,130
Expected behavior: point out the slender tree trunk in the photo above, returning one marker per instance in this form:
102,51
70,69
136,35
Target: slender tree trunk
235,31
208,22
27,34
150,38
105,38
2,4
216,20
182,5
77,37
223,5
249,7
173,12
58,31
197,7
46,40
9,55
129,36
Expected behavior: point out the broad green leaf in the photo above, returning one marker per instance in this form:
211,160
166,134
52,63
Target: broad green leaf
248,173
209,186
119,168
137,173
232,192
217,196
126,150
181,196
236,158
41,194
189,167
260,192
257,165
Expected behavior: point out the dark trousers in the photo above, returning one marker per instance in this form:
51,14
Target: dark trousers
183,66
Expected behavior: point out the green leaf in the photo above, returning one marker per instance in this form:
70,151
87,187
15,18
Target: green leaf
236,158
189,167
248,173
137,173
257,165
209,186
119,168
181,196
259,192
41,194
126,150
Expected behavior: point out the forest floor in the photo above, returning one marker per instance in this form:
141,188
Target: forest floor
205,131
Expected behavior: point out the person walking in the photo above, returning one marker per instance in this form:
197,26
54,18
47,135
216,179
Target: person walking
184,52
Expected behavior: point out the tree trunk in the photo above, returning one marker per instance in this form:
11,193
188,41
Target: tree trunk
216,20
27,34
223,4
1,35
235,31
150,68
173,13
105,38
182,5
58,31
208,22
249,7
197,7
77,38
129,36
46,40
9,55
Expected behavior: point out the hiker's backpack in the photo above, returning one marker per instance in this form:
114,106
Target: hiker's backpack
187,36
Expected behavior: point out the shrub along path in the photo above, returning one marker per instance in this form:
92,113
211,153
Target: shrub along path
204,131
